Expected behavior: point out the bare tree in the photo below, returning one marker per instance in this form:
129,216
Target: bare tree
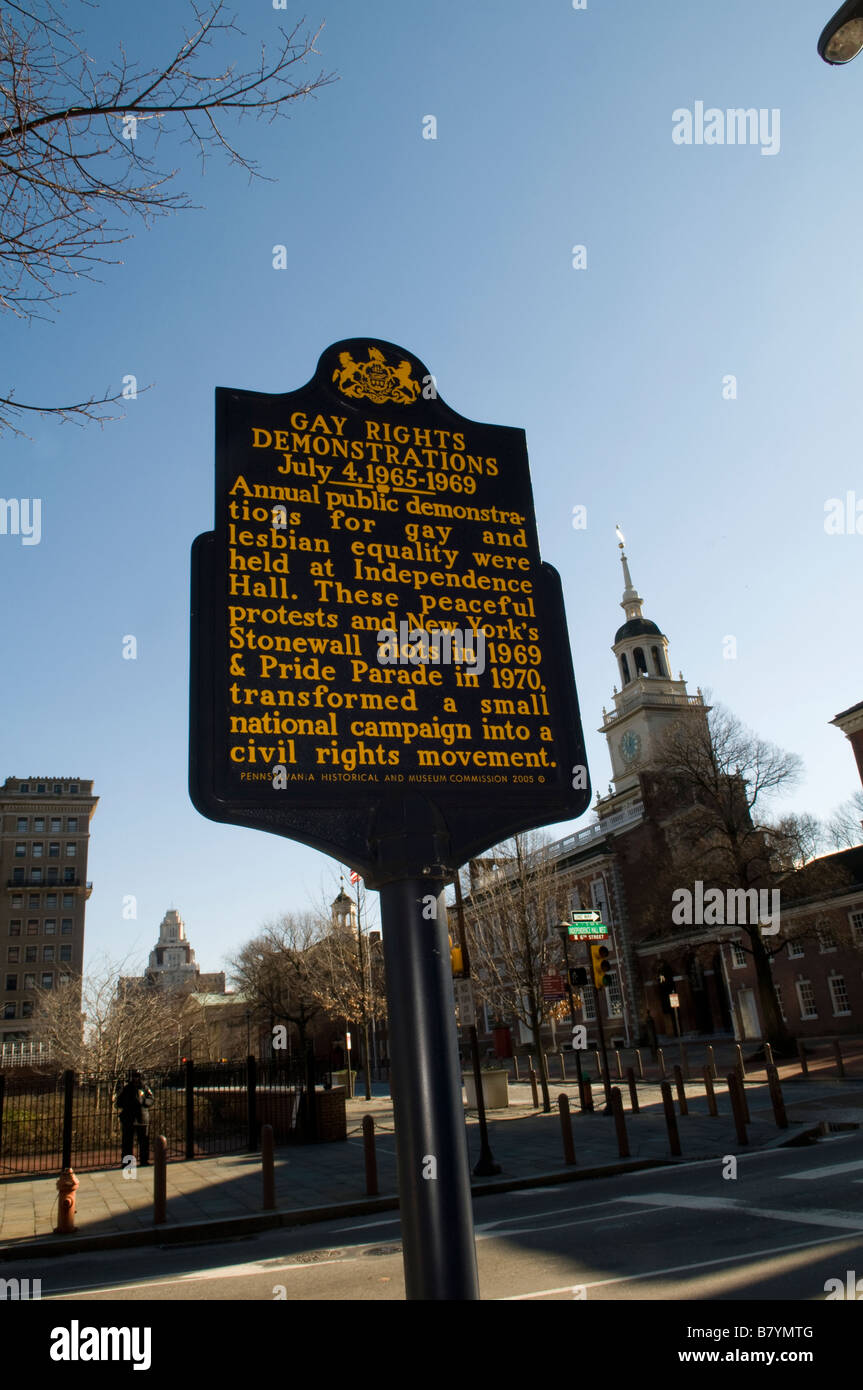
279,973
722,775
509,919
110,1026
78,147
845,827
349,976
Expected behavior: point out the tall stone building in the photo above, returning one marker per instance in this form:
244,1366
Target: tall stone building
172,965
44,839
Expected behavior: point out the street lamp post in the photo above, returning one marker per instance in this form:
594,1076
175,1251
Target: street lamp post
563,928
842,38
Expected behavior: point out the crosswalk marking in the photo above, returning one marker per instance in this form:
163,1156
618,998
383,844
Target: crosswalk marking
829,1171
844,1220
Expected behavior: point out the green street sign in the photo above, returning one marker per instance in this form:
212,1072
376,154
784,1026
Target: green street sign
588,931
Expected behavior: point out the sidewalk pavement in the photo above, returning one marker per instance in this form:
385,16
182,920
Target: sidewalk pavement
212,1198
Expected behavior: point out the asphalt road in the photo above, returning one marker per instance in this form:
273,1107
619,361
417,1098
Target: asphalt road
790,1220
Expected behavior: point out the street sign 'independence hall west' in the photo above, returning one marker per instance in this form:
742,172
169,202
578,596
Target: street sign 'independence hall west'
375,638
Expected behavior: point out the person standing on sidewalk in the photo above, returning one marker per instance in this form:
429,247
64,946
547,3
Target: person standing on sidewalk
133,1103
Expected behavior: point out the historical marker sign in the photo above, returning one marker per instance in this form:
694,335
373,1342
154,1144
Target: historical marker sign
378,650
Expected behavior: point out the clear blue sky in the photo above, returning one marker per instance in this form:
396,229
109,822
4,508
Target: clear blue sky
554,128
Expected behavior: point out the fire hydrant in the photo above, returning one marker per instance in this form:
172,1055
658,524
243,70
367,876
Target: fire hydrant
67,1185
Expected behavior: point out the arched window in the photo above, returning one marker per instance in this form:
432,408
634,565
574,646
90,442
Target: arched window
624,667
640,663
659,662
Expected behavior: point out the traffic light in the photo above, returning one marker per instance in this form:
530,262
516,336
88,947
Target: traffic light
601,965
456,963
577,976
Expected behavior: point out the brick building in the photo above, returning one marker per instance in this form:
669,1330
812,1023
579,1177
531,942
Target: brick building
44,839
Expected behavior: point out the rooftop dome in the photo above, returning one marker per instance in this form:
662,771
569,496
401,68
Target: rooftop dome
637,627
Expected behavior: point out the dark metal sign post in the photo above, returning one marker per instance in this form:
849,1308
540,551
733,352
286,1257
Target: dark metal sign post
380,669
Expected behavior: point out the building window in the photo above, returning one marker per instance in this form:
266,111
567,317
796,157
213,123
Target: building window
624,670
615,998
32,926
11,983
58,788
826,940
48,979
50,926
838,995
35,875
738,955
13,954
66,953
24,787
72,824
66,926
778,989
40,788
17,900
806,998
29,981
588,1002
37,850
39,825
31,954
33,900
21,827
15,927
17,875
54,850
856,919
20,850
73,788
68,899
68,875
794,950
9,1010
52,874
64,979
640,663
48,953
26,1008
56,825
71,849
50,899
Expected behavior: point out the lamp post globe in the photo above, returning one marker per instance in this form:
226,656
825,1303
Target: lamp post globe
842,38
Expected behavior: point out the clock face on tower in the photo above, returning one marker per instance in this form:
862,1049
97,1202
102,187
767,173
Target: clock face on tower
630,746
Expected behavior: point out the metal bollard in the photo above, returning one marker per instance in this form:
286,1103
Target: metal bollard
741,1066
777,1099
670,1120
709,1091
566,1129
660,1057
735,1091
801,1053
516,1076
531,1076
681,1092
619,1122
633,1090
160,1180
370,1156
268,1168
563,1075
839,1062
67,1185
768,1059
639,1061
619,1064
587,1102
711,1061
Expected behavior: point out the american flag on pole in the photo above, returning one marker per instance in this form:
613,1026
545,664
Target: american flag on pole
355,878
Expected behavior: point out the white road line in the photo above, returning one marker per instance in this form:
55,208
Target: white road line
829,1171
675,1269
844,1220
226,1272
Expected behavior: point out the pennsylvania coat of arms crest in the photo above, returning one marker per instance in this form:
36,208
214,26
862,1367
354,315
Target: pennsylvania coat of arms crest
374,380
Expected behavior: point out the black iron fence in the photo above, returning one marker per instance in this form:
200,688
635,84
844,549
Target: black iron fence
50,1121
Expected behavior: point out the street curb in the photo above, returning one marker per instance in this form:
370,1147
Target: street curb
227,1228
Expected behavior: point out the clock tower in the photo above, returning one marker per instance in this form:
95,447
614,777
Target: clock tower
648,701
